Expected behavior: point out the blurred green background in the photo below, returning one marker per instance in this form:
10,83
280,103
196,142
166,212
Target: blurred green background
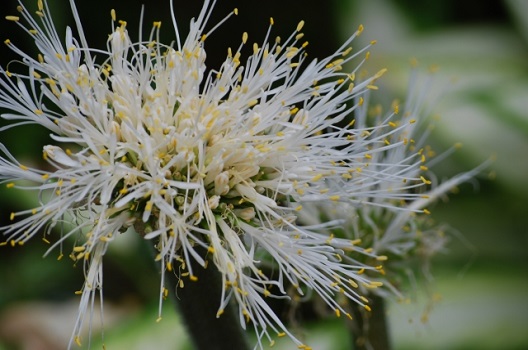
480,286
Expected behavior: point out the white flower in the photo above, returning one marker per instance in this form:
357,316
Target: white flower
221,160
399,234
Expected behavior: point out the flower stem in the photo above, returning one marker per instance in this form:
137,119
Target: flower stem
369,329
198,303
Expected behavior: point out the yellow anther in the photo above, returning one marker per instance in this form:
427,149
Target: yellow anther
360,29
40,5
317,177
78,340
300,26
193,278
113,14
346,52
272,21
10,185
157,24
79,249
427,212
334,197
12,216
433,68
281,334
379,73
12,18
148,206
299,208
235,11
244,37
338,312
211,250
367,307
425,181
158,320
382,258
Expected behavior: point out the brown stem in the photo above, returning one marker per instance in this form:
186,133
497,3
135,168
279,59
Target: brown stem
198,302
369,329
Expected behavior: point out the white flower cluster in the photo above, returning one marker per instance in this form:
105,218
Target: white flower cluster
400,235
146,137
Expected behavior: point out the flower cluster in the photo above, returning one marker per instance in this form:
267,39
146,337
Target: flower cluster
194,159
391,227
